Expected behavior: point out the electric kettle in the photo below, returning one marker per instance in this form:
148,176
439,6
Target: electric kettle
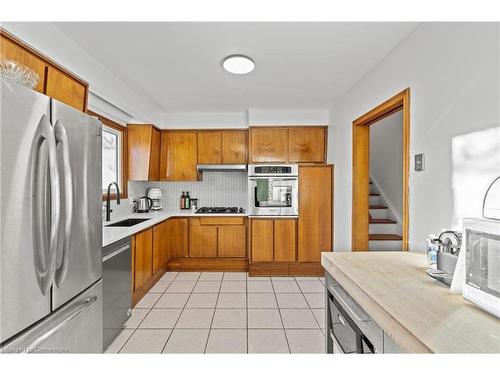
143,204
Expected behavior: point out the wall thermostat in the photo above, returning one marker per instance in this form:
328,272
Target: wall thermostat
419,162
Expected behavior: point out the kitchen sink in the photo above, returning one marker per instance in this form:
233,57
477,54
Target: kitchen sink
127,223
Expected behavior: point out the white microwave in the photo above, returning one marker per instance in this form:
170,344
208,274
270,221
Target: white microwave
478,268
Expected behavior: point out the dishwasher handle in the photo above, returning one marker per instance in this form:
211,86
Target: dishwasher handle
115,252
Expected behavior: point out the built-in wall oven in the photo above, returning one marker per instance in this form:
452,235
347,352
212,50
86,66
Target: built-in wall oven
273,190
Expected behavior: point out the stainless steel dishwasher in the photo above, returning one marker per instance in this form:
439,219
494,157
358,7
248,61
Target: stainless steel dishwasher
117,283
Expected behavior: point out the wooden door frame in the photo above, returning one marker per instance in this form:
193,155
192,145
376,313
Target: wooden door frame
360,167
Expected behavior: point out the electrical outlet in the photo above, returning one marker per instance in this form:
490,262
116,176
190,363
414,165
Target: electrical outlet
419,162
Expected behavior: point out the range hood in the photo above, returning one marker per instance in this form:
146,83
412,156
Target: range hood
221,167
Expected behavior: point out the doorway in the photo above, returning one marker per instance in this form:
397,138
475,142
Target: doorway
361,169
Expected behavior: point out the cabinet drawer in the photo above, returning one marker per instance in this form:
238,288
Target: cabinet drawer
221,220
342,330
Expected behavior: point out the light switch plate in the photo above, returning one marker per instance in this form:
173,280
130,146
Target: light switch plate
419,162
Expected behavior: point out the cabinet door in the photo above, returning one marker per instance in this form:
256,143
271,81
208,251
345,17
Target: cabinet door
262,240
232,241
139,139
209,147
62,87
234,146
268,145
160,243
285,239
202,241
315,212
143,258
13,51
177,238
307,145
178,156
154,157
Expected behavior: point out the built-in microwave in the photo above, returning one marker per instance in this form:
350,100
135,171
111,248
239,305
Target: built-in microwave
478,267
273,190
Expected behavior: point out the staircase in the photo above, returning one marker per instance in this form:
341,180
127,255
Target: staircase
384,231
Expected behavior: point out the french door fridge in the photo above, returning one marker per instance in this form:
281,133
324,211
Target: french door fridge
51,225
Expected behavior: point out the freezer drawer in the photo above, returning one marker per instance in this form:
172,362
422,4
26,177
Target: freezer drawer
74,328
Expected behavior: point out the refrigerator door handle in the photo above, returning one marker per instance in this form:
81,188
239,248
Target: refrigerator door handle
76,310
45,261
64,244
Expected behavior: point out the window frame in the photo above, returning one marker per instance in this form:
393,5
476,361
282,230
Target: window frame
123,158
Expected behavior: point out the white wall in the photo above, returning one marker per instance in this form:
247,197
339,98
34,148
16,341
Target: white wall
386,161
257,117
452,70
200,120
49,40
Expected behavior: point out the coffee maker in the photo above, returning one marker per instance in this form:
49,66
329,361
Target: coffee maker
155,195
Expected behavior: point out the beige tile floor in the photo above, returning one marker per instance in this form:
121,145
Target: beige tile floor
230,312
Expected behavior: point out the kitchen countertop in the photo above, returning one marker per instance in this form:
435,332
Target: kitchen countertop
113,234
419,313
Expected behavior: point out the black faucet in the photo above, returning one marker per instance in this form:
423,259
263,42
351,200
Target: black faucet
108,204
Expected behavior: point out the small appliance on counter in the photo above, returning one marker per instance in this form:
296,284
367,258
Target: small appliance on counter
143,205
155,195
442,252
477,274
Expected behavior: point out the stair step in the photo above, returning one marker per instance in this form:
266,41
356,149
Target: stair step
374,195
381,221
385,237
377,207
370,183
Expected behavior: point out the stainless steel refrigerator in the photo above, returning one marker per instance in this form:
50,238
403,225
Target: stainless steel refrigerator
51,225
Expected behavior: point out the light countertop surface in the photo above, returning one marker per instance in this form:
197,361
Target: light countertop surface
419,313
113,234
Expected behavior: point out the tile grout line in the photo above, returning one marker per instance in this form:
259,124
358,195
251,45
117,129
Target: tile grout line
145,316
246,305
213,316
182,310
281,318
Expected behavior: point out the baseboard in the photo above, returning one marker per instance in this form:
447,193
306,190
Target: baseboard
285,269
208,264
143,290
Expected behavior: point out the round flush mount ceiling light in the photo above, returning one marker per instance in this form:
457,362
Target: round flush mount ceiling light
238,64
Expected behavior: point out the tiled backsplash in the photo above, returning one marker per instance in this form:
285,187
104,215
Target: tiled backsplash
216,189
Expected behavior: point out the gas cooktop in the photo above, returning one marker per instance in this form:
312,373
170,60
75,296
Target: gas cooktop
220,210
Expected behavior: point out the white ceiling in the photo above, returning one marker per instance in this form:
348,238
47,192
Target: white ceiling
177,66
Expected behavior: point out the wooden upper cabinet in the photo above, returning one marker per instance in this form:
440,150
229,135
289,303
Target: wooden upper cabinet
54,80
234,146
232,241
209,147
262,241
307,144
268,145
143,266
179,156
13,51
294,144
64,88
285,244
143,147
315,212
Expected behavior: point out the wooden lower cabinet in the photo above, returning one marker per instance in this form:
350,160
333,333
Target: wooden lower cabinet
160,245
285,240
232,241
177,234
315,212
212,237
203,241
273,240
262,240
143,258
